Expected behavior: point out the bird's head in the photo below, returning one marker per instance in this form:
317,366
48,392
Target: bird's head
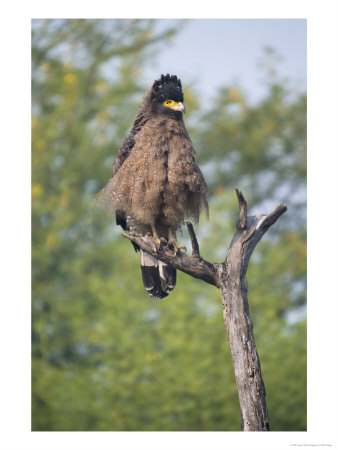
167,96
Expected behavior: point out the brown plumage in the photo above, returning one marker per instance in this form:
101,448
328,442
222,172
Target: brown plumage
156,183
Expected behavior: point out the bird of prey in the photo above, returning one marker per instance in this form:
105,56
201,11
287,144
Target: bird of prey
156,183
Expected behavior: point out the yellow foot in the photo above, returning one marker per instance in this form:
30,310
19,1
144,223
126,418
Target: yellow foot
176,247
159,240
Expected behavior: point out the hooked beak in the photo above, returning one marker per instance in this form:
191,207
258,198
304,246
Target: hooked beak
178,107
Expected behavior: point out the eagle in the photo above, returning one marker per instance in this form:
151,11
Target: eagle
156,183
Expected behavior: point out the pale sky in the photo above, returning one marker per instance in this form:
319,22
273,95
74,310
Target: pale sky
214,52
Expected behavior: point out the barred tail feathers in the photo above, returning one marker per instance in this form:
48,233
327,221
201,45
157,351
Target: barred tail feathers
159,278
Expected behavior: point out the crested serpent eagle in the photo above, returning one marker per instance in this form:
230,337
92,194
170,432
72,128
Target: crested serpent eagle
156,183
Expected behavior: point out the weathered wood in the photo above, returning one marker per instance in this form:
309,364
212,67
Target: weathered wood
194,243
193,265
230,278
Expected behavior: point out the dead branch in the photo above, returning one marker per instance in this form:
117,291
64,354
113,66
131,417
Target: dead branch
193,265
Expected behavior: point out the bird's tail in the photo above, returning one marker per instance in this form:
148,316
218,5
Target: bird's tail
159,278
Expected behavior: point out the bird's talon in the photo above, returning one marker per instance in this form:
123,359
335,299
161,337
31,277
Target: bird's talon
176,248
159,240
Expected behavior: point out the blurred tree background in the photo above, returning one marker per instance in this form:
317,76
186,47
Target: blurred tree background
105,356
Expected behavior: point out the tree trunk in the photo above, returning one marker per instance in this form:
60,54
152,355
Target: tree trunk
230,278
233,286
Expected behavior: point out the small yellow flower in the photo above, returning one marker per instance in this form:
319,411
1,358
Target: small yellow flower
36,190
69,78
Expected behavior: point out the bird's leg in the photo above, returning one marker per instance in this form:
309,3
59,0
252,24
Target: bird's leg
171,236
171,241
155,235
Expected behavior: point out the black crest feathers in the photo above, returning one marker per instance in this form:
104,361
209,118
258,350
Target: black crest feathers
168,87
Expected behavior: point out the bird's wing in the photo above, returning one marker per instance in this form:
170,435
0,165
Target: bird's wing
124,152
129,141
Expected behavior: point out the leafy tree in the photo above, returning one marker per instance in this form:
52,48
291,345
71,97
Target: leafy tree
104,355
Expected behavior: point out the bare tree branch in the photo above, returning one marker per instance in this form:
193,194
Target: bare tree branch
241,221
193,265
194,243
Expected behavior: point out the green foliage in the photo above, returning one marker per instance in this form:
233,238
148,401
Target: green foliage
104,355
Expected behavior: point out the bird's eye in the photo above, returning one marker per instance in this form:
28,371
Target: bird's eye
167,103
